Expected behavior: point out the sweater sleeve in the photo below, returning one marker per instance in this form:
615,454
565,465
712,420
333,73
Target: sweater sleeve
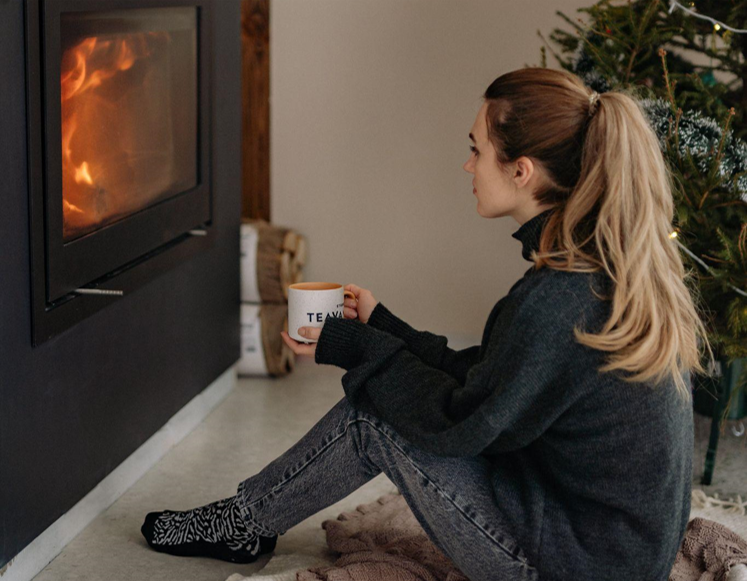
507,400
429,347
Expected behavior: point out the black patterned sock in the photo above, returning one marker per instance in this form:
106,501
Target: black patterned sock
215,530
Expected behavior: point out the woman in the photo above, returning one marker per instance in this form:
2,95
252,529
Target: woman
560,448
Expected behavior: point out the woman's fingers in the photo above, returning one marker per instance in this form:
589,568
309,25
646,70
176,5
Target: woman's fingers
297,347
356,290
310,333
350,309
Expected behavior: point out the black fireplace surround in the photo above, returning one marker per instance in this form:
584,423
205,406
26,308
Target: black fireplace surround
140,71
85,379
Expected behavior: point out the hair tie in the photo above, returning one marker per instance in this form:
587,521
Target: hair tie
592,103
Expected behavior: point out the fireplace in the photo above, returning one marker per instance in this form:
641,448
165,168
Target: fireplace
108,371
119,149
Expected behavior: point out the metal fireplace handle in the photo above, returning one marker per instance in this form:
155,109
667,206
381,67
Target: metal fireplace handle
98,291
101,291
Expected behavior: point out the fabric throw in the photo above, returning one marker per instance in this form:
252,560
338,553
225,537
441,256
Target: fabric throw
383,541
708,553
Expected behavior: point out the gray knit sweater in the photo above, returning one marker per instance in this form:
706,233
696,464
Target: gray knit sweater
592,474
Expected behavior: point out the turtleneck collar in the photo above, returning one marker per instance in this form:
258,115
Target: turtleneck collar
529,233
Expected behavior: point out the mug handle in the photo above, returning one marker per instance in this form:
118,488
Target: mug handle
346,293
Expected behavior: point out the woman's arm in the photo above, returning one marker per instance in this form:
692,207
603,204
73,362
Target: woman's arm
429,347
530,373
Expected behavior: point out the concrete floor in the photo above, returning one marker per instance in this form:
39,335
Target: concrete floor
257,422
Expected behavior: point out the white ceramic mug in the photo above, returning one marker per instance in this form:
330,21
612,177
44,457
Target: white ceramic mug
310,304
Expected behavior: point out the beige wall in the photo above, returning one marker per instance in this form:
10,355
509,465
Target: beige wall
371,105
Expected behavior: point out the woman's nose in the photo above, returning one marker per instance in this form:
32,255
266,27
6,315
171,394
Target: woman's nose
468,166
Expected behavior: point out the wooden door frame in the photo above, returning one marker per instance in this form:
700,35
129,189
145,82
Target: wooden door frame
255,41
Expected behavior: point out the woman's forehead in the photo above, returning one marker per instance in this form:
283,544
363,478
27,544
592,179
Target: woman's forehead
479,129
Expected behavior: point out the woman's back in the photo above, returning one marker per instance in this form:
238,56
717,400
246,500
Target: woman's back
605,488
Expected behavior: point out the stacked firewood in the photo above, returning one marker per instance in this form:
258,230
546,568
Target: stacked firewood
272,258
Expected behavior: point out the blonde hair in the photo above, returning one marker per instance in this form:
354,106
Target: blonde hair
611,192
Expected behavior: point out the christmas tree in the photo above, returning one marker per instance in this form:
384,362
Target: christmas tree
648,47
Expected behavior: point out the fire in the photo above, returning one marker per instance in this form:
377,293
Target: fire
68,207
82,175
95,75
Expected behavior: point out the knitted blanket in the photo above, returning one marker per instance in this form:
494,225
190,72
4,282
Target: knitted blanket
382,540
708,552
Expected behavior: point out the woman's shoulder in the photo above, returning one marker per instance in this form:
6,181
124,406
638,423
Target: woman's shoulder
549,306
548,280
554,291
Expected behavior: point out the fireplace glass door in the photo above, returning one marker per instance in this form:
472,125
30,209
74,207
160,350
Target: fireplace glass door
126,133
120,151
128,98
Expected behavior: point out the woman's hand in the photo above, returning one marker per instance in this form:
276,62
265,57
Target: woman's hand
301,348
363,307
360,309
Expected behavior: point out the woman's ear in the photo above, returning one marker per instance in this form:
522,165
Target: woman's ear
523,172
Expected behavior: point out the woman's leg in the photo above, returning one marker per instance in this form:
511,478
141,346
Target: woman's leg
451,498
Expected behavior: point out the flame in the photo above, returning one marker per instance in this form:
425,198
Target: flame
85,69
82,175
78,79
68,207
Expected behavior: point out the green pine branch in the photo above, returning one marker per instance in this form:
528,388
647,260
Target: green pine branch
638,45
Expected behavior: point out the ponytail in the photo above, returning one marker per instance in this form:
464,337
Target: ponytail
614,206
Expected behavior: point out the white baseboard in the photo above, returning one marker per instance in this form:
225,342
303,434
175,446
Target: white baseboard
37,555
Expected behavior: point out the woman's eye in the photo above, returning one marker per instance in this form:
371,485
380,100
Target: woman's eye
473,149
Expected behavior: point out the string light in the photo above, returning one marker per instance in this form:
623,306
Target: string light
716,24
673,235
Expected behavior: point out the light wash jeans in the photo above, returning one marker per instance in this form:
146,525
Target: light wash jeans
451,498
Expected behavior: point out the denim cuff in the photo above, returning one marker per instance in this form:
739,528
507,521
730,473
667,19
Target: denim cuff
246,514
